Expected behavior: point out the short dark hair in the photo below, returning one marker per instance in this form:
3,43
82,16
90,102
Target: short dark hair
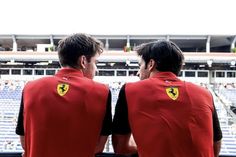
76,45
166,54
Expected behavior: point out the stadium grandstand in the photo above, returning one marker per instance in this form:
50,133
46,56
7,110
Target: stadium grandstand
210,61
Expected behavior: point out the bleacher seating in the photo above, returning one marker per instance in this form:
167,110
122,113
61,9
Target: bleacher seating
227,123
230,94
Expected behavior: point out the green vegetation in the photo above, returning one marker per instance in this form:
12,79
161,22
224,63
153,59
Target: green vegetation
233,50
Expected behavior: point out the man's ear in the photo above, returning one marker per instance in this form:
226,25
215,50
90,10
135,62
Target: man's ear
82,61
151,65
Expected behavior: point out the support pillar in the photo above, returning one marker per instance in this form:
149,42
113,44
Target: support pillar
168,38
107,44
51,40
128,41
14,46
233,44
208,44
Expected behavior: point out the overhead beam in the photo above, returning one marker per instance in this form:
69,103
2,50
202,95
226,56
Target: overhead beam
32,36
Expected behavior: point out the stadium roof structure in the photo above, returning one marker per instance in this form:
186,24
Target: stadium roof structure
187,43
197,48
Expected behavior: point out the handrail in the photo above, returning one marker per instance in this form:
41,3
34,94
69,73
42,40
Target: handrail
229,111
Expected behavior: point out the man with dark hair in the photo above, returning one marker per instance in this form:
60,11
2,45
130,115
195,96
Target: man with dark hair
164,115
68,114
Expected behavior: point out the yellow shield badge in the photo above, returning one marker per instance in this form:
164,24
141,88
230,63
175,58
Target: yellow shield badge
172,92
62,89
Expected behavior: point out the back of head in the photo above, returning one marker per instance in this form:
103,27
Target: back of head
166,54
76,45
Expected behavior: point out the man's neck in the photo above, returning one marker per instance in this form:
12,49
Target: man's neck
153,73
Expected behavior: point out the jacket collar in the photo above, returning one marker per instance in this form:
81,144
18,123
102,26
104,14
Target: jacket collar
165,76
70,72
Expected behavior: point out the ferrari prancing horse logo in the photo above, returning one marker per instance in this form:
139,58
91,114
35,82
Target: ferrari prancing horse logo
172,92
62,89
